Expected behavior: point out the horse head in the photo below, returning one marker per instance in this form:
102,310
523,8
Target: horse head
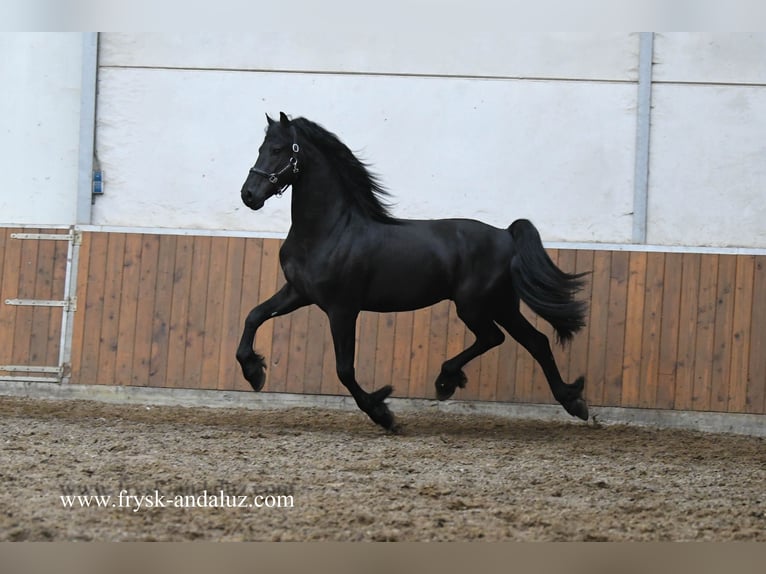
277,165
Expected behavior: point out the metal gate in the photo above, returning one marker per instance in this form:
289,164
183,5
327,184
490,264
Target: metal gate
60,372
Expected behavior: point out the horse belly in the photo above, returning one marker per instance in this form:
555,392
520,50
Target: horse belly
406,290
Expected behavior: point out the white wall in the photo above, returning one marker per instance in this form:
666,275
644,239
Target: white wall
40,75
451,124
708,142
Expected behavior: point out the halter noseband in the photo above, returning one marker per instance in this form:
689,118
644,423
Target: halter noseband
275,176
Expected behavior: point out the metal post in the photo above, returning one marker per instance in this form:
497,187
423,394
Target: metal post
643,128
87,126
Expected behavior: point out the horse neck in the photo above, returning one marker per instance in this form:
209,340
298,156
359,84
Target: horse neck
318,207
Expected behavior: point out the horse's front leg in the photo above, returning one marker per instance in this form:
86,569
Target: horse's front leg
282,302
343,329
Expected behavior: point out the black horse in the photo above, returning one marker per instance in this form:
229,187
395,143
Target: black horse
346,253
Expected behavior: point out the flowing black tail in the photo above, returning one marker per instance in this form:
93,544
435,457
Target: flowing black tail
549,291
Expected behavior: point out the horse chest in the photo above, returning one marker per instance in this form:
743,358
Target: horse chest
304,270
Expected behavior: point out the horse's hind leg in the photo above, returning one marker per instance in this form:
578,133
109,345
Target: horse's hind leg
569,395
487,335
343,329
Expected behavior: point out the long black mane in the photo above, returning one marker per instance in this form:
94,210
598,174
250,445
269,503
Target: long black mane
363,190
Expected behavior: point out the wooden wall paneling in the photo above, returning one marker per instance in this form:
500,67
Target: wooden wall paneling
597,327
216,287
318,327
740,337
437,348
755,401
421,328
42,317
195,318
400,369
634,325
129,296
78,321
147,292
9,262
705,321
280,346
668,340
616,328
384,351
111,313
231,329
163,300
27,280
267,287
724,320
179,312
577,357
92,308
650,355
296,358
687,334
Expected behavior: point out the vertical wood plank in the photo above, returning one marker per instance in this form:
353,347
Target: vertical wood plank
400,370
687,337
756,380
650,342
384,351
315,342
280,346
740,341
93,309
110,319
249,297
11,262
296,354
367,333
58,290
211,346
195,320
24,339
670,323
129,296
421,325
437,343
578,349
147,292
724,319
179,312
597,327
703,352
618,297
267,287
228,368
634,325
40,317
163,300
78,322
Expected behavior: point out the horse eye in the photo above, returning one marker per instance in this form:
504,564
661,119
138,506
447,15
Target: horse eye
276,149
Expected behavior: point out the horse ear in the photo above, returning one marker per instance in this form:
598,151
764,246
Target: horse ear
269,120
284,120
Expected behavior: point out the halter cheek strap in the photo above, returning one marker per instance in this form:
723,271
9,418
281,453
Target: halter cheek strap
275,177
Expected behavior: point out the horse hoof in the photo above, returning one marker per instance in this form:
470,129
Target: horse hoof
577,408
255,373
447,383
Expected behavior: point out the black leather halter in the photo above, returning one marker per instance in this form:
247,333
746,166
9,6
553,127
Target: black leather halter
275,177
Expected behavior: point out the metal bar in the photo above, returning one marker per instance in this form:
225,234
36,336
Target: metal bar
38,302
67,317
643,127
47,236
27,379
87,126
29,369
